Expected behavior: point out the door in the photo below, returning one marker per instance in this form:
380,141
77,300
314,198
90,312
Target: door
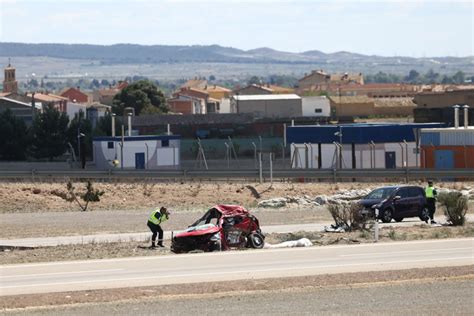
405,204
390,160
139,160
444,159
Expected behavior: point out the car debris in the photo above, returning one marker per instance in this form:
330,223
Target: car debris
221,228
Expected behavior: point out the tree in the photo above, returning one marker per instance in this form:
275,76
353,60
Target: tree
254,80
49,133
459,77
140,95
104,126
13,137
432,77
413,76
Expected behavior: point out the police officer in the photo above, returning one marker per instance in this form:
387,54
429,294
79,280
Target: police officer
431,195
157,217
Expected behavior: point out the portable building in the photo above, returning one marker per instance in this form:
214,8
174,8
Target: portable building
137,152
447,148
355,145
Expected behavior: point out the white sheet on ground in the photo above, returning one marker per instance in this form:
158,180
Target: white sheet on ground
303,242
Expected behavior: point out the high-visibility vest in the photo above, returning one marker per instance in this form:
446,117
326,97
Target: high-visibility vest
429,192
157,220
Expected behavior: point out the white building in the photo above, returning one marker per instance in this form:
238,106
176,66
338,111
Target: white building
316,106
137,152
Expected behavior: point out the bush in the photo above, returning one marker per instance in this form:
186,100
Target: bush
349,216
455,207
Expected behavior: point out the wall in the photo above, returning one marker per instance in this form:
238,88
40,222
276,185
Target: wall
156,156
462,156
271,108
310,104
444,99
73,108
363,153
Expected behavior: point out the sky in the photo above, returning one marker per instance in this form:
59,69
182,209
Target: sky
417,28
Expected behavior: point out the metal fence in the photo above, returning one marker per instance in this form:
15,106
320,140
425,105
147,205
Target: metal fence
258,174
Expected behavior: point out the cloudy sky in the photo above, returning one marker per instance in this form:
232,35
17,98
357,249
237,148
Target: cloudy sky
392,27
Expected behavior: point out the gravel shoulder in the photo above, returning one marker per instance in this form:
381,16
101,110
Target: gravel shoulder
138,249
426,291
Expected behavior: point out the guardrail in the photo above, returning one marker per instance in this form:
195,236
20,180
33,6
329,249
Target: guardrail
228,174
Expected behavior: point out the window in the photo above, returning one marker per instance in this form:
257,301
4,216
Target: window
404,193
416,192
110,145
165,143
318,110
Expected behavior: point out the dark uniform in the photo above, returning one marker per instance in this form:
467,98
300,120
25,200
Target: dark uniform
431,194
157,217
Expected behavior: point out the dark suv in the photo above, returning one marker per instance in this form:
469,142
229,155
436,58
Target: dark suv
397,202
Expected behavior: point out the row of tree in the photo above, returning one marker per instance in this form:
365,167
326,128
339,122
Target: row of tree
50,135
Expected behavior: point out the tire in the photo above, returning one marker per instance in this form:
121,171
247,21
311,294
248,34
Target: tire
424,214
398,219
256,240
386,215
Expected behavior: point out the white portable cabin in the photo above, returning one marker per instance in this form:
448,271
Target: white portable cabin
137,152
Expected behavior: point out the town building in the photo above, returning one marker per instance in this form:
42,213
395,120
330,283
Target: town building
10,84
106,96
268,105
75,95
23,110
51,100
438,106
318,80
254,89
318,106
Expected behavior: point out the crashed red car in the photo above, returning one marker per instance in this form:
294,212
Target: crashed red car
221,228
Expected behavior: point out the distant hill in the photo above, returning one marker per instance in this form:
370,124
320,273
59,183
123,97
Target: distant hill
141,54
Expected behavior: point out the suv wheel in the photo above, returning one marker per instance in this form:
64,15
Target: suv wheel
398,219
424,214
386,216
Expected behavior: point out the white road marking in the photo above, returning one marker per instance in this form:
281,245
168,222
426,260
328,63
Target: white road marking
59,273
230,272
405,252
230,253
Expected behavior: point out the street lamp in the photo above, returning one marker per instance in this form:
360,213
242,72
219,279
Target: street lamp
339,133
79,136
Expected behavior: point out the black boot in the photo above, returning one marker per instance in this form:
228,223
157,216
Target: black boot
152,244
161,244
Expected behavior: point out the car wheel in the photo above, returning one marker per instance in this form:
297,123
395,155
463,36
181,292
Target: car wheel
256,240
425,214
398,219
386,215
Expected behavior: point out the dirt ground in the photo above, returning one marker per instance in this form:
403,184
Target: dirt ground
26,197
136,249
213,292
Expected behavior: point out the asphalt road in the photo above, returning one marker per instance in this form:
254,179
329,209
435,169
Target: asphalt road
418,298
193,268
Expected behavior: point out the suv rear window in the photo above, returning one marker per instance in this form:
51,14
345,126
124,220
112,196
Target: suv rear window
404,193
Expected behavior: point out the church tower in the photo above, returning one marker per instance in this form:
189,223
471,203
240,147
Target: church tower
9,83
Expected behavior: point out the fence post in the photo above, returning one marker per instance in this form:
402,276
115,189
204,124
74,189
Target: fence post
271,169
260,171
376,226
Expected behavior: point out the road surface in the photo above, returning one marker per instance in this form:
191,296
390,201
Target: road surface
145,236
234,265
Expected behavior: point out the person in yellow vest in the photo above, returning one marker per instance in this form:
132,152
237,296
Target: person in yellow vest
431,195
157,217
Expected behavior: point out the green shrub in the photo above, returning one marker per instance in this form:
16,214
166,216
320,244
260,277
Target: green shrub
349,216
455,207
